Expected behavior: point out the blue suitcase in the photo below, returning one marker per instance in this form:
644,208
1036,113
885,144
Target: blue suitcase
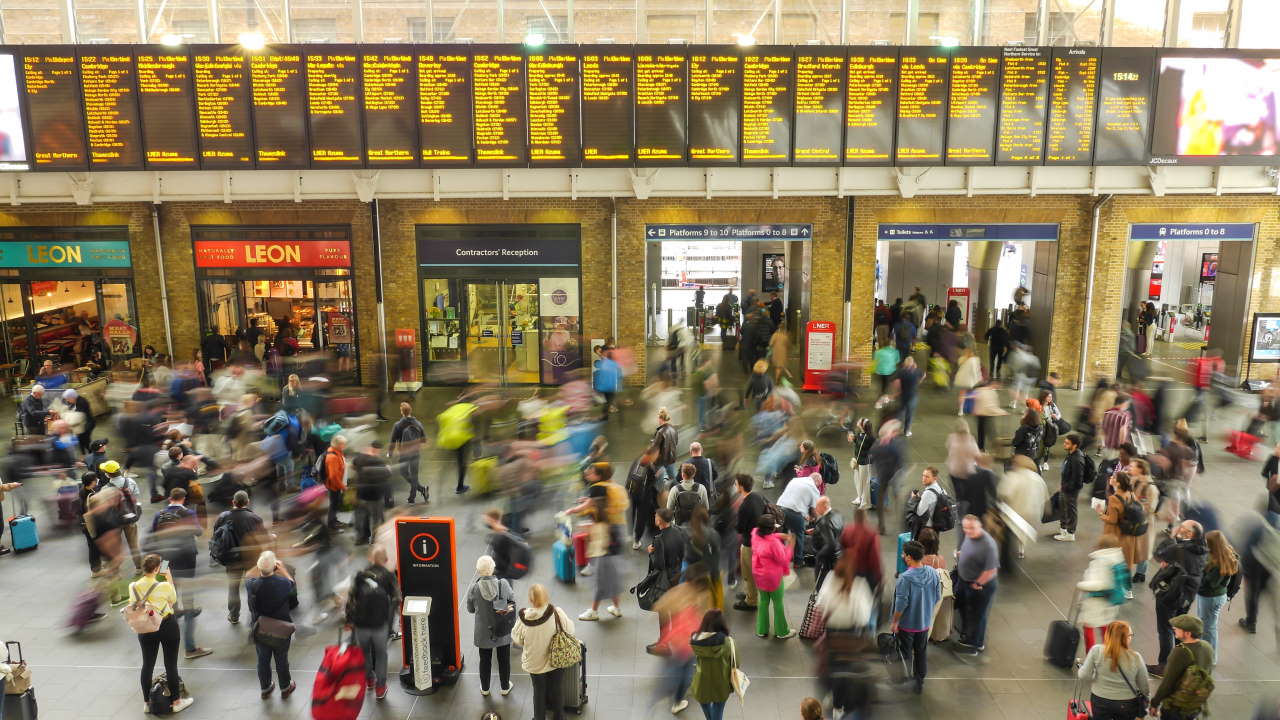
22,530
903,539
563,561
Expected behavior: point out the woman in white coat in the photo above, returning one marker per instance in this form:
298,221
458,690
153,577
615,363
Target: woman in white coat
1105,587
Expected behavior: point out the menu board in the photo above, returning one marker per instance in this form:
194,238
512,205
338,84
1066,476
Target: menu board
1024,98
51,94
110,107
389,87
498,109
279,86
662,84
165,95
819,106
715,92
223,117
608,91
444,108
922,100
1073,102
333,108
871,94
553,80
1123,126
972,106
768,79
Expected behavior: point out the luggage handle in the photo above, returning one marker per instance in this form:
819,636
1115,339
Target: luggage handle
9,653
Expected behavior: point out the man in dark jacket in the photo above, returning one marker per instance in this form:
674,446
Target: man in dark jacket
667,439
32,411
1075,471
775,310
173,536
667,557
826,540
755,339
887,459
642,489
749,511
372,475
249,533
705,472
997,338
407,439
1185,548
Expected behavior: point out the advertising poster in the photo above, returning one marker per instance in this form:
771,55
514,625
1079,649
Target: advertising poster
1266,338
773,272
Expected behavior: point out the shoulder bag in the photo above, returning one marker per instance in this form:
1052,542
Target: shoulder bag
737,679
272,632
564,650
1139,695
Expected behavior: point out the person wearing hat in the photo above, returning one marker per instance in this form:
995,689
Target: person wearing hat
1191,654
130,506
96,456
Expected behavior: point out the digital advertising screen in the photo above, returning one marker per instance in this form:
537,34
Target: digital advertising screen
1208,267
608,96
1212,109
1123,126
662,103
972,106
389,85
166,96
1265,344
13,143
922,105
715,104
819,106
768,80
871,103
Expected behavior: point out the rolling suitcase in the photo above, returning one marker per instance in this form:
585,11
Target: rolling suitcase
562,559
891,655
580,549
903,538
481,475
575,685
22,531
84,610
21,706
20,696
1063,638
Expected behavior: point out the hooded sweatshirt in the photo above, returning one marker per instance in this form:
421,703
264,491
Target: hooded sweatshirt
917,591
770,560
488,595
713,664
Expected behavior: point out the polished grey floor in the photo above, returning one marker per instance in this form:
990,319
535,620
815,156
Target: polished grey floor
94,675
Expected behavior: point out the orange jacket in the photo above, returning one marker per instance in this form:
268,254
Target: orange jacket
335,470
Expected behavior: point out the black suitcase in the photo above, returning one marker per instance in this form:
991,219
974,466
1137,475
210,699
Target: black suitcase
21,707
891,655
1060,646
575,685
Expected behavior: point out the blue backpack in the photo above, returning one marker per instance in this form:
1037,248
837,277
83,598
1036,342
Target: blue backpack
1122,584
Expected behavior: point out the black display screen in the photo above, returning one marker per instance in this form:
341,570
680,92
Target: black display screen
110,93
1122,130
444,108
922,105
768,82
390,90
278,78
1073,102
55,118
715,103
498,106
553,82
662,90
972,106
223,118
166,95
819,106
871,102
333,108
1024,100
608,94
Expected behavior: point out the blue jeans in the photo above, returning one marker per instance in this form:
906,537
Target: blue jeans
713,710
265,655
188,619
908,411
975,606
1210,610
794,522
1274,519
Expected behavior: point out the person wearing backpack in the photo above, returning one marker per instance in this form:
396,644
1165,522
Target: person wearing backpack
492,601
686,496
237,535
1077,468
1187,680
372,606
933,507
173,536
1182,557
130,507
331,471
1220,583
372,477
455,431
665,439
408,437
1105,586
160,596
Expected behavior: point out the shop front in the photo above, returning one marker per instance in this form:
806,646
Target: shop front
68,298
500,303
287,287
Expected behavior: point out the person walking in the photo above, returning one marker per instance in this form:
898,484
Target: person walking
372,607
750,508
666,439
1219,585
130,506
702,556
888,457
1077,468
1116,425
173,536
770,562
492,601
247,534
607,380
161,597
915,596
408,438
666,556
1105,586
642,491
272,596
534,628
862,438
997,338
1257,564
715,659
1118,681
986,407
1190,668
603,555
977,565
334,477
372,481
885,359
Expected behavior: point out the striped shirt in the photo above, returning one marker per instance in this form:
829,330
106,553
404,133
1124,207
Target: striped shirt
1115,427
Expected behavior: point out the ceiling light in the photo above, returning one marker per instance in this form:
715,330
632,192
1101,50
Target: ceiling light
534,39
252,40
744,39
171,40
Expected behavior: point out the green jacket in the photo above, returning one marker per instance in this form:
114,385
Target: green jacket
713,664
1183,656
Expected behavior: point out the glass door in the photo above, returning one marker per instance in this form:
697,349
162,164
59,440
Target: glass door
17,339
223,306
502,332
484,346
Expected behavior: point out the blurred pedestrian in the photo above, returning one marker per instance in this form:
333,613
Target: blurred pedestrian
372,478
408,437
642,490
1105,587
715,659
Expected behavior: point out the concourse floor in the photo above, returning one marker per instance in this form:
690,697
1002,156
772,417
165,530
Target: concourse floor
94,675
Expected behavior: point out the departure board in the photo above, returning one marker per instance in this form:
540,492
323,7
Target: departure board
871,101
498,110
608,91
715,104
389,86
1073,102
1024,100
662,86
333,107
819,106
444,108
167,103
223,118
768,79
552,81
279,82
972,106
55,118
110,95
922,105
1123,127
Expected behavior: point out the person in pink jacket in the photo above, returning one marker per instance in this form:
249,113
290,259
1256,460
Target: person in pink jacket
770,561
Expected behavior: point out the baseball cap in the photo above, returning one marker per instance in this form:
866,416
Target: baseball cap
1189,623
111,467
97,445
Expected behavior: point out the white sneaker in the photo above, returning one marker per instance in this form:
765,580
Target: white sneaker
635,545
908,433
585,572
1065,537
614,611
1128,594
182,704
507,690
768,484
679,707
589,615
484,693
857,502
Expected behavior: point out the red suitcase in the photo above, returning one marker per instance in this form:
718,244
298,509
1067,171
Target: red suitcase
338,692
580,549
1242,444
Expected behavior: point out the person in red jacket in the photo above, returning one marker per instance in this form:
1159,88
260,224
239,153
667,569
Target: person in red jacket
334,477
861,546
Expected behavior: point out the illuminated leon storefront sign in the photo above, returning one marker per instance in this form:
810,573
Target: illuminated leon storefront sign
287,253
87,254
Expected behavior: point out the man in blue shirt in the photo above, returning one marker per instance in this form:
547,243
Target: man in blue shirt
918,590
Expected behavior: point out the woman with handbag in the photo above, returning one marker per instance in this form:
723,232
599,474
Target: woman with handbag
158,598
1118,681
492,601
715,660
541,630
272,595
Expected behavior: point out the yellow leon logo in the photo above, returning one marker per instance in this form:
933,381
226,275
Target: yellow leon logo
273,254
53,254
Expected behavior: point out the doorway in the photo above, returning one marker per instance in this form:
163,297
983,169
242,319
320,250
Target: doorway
502,333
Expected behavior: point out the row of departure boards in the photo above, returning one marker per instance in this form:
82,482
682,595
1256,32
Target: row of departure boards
330,106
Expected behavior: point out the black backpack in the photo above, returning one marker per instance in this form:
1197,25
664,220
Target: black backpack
412,433
370,602
943,516
1050,433
828,468
224,546
1133,519
519,557
686,502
